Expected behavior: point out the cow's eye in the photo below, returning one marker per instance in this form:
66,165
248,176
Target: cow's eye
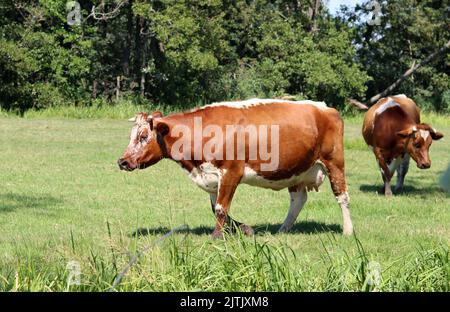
417,145
144,138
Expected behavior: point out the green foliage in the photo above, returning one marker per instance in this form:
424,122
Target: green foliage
410,31
42,63
194,52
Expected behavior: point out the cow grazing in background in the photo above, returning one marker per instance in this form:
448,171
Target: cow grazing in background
305,140
393,130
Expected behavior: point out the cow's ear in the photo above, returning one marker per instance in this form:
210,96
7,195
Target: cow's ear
154,115
162,128
436,135
157,114
407,132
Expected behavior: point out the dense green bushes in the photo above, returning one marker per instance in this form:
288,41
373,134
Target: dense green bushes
190,52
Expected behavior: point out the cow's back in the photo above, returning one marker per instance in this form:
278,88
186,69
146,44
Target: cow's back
301,126
397,109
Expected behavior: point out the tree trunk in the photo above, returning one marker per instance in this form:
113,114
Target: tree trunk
144,57
105,90
408,73
314,13
94,89
128,40
137,48
118,88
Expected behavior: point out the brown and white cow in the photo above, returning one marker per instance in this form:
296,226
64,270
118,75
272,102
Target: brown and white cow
393,130
306,144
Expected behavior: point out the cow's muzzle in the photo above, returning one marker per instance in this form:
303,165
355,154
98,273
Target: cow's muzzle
124,164
424,165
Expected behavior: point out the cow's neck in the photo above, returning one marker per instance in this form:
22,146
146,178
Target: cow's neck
166,146
163,146
187,165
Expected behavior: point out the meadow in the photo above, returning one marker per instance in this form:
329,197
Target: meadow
63,199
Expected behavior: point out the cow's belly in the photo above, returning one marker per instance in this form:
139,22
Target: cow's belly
206,177
311,179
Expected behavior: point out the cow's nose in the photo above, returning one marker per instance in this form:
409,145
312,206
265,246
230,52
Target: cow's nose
424,165
123,164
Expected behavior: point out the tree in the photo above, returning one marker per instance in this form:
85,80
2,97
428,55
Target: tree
409,32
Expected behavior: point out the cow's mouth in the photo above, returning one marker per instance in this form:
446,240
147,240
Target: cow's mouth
424,166
125,165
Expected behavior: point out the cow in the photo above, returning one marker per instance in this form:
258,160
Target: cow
306,144
393,131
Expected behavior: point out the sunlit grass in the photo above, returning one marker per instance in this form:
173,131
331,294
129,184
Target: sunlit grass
63,199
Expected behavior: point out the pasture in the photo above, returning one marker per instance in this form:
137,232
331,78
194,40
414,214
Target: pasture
63,199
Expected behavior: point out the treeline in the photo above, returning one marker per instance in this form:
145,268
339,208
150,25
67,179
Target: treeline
189,52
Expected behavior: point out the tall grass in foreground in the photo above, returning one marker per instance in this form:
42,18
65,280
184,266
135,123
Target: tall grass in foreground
235,264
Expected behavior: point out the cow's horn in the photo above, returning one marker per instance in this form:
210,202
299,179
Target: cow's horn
132,119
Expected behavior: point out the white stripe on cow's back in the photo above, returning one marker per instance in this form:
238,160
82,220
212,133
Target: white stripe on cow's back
390,103
254,102
401,96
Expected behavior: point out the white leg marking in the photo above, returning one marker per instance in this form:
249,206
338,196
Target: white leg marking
394,164
343,201
219,209
298,200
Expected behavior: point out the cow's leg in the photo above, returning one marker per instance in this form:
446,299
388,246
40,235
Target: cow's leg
337,180
227,186
298,199
401,173
385,173
230,222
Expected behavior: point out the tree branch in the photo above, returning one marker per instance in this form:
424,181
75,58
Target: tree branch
99,16
358,104
408,73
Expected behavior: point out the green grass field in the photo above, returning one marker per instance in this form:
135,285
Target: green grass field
62,199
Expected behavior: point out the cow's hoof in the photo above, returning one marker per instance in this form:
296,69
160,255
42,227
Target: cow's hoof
388,193
247,230
217,234
348,232
283,229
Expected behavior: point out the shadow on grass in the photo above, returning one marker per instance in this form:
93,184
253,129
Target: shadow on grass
407,190
302,227
11,201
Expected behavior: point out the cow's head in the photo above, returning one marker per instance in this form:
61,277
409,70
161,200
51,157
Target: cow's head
418,140
144,148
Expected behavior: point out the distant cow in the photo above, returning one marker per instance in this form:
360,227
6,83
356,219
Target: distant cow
305,144
392,129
